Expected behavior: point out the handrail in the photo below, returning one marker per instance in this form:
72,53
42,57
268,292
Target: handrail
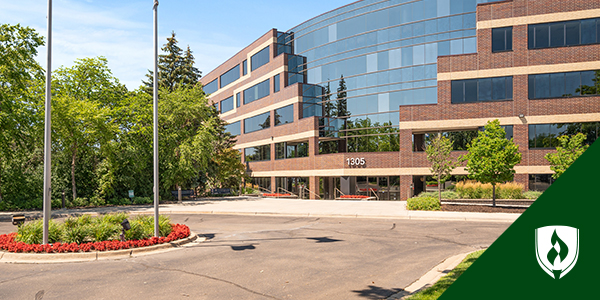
337,190
311,192
374,193
264,189
280,188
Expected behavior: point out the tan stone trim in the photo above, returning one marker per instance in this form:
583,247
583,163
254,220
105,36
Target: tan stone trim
540,69
384,172
535,19
279,139
251,83
417,126
261,110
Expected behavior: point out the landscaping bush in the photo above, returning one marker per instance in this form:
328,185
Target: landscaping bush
81,202
33,232
532,194
423,203
509,190
142,200
449,195
477,190
428,194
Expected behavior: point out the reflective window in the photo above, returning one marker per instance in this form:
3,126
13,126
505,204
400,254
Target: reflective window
284,115
291,150
227,104
482,89
257,91
230,76
259,59
501,39
234,128
238,99
276,83
546,135
244,67
558,85
211,87
258,153
560,34
540,182
256,123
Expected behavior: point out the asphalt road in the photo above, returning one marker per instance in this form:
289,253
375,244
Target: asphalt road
259,257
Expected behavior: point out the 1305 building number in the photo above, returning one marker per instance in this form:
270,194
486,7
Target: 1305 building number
356,161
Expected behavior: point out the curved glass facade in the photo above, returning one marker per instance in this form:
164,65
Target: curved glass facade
370,57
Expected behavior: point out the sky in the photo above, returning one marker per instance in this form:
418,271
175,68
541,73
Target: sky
122,30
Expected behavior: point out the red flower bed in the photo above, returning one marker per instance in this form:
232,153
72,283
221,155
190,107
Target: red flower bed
353,197
8,243
276,195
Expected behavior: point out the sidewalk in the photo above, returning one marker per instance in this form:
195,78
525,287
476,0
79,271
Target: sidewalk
286,207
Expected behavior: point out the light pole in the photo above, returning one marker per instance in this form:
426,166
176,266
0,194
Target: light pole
47,130
155,108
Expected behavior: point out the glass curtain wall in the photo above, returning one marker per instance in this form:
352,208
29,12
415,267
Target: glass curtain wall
370,57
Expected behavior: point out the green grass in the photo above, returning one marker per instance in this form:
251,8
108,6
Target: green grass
436,290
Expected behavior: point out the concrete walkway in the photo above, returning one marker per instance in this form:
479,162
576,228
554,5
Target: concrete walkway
287,207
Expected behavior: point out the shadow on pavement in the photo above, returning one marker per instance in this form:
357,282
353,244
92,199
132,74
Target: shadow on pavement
375,292
324,240
242,248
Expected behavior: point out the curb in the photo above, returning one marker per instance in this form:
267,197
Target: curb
431,277
40,258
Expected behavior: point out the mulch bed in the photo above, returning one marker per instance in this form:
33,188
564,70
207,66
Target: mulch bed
482,208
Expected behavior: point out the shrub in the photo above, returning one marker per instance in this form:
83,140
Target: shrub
428,194
143,227
509,190
142,200
81,202
449,195
423,203
532,194
32,232
477,190
97,201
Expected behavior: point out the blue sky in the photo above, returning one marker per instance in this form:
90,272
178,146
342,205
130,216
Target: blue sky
122,30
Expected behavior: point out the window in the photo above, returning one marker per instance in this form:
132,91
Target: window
259,59
227,104
546,135
257,91
244,67
233,128
482,89
561,34
216,106
256,123
258,153
211,87
501,39
238,99
559,85
540,182
291,150
284,115
230,76
276,83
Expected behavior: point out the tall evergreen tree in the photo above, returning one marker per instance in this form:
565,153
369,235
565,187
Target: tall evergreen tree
175,68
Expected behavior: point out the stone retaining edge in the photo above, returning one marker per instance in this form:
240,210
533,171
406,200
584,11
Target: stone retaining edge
10,257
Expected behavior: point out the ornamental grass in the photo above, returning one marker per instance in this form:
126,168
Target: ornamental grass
477,190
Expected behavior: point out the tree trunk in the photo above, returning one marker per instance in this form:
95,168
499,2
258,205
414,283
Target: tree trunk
73,172
494,195
440,188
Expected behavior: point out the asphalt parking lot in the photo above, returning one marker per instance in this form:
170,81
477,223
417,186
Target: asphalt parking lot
262,257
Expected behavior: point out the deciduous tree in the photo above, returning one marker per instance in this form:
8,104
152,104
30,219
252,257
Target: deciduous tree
492,157
569,150
438,154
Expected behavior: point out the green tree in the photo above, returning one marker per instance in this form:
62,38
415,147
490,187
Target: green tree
569,150
342,101
19,71
82,113
438,154
175,68
491,157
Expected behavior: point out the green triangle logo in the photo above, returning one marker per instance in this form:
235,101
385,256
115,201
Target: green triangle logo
550,251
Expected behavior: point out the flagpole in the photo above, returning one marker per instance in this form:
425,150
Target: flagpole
155,108
47,130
